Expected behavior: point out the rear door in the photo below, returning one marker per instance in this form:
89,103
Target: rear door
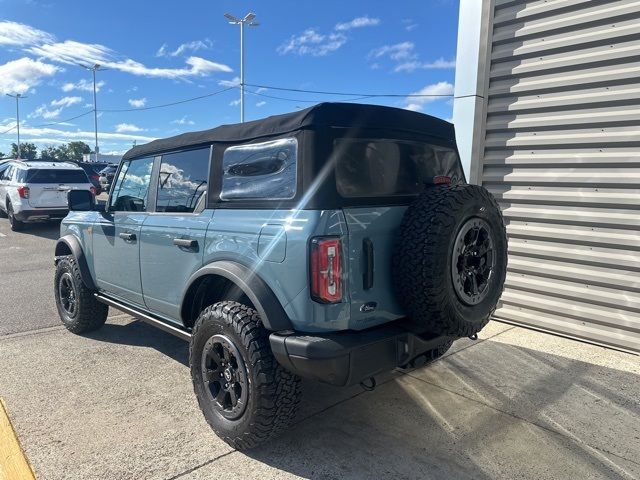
172,237
384,176
48,187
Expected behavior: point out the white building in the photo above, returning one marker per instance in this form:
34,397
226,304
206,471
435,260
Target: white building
549,122
102,157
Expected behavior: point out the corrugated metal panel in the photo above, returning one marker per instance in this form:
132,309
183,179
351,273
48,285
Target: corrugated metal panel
562,157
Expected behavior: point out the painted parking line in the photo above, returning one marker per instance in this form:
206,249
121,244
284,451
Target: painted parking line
13,462
2,234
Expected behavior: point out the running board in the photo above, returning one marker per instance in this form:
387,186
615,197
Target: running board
145,317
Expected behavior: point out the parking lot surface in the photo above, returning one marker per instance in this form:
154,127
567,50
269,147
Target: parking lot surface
118,403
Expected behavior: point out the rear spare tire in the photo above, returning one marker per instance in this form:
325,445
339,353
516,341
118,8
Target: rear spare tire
450,261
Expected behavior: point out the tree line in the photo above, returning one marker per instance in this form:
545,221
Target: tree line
67,152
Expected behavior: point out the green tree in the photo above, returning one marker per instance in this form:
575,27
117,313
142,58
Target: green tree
49,154
28,151
75,150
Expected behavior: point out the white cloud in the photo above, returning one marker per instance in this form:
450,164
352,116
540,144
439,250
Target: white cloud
128,128
261,103
18,76
406,59
66,101
44,112
72,52
137,103
398,51
84,85
197,67
234,103
189,46
431,93
358,22
18,34
46,134
183,121
311,42
234,82
413,65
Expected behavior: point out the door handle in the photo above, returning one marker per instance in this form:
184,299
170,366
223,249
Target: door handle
185,243
127,237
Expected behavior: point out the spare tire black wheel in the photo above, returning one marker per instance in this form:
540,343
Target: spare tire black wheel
450,261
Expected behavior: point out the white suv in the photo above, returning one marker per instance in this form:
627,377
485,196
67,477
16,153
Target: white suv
36,191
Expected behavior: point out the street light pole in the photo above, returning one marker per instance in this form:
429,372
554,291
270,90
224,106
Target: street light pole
93,70
17,96
248,19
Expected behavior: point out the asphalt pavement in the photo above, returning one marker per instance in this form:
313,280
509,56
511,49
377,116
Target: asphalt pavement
118,403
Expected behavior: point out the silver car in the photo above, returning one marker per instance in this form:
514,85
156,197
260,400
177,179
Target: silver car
32,191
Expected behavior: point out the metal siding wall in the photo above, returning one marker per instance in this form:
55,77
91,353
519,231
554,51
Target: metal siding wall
562,156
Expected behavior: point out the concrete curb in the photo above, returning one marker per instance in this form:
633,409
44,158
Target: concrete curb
14,464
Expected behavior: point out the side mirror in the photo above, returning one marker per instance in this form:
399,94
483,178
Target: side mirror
81,200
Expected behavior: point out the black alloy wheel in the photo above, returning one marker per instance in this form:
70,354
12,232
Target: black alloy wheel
473,261
225,376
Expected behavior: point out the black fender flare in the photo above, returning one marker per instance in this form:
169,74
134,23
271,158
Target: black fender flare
265,301
71,242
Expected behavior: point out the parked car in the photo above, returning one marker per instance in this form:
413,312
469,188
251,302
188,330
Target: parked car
32,191
93,169
106,176
333,243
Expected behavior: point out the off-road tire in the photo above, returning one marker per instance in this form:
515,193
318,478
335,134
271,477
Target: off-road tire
16,225
90,314
423,257
273,392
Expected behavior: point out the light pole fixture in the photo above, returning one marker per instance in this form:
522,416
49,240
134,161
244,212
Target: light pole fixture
248,20
93,69
17,96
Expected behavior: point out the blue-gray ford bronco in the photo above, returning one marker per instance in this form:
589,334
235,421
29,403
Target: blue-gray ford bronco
333,243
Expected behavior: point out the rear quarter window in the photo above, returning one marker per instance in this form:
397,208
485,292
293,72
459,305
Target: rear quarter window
56,176
387,167
266,170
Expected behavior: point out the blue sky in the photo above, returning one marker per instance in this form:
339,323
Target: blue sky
161,52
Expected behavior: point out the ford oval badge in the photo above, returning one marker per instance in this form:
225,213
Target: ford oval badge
368,307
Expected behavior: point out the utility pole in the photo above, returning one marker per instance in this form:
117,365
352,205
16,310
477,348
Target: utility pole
17,96
248,19
93,70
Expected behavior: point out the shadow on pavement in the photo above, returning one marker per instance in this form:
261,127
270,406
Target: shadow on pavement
479,413
139,334
49,230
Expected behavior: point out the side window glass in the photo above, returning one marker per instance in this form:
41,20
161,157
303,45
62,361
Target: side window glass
131,188
265,170
7,173
182,181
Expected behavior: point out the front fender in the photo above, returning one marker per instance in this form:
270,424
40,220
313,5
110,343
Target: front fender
265,301
70,243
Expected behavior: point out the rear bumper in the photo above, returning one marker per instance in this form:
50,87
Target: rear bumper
41,214
347,358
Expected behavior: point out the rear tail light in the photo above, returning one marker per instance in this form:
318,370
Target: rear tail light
23,192
326,269
95,178
93,190
441,180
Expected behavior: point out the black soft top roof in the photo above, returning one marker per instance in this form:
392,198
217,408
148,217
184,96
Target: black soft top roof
341,115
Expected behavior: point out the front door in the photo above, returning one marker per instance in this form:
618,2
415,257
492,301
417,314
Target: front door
116,235
172,238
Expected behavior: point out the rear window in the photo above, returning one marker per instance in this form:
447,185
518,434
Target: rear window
53,176
384,167
264,170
